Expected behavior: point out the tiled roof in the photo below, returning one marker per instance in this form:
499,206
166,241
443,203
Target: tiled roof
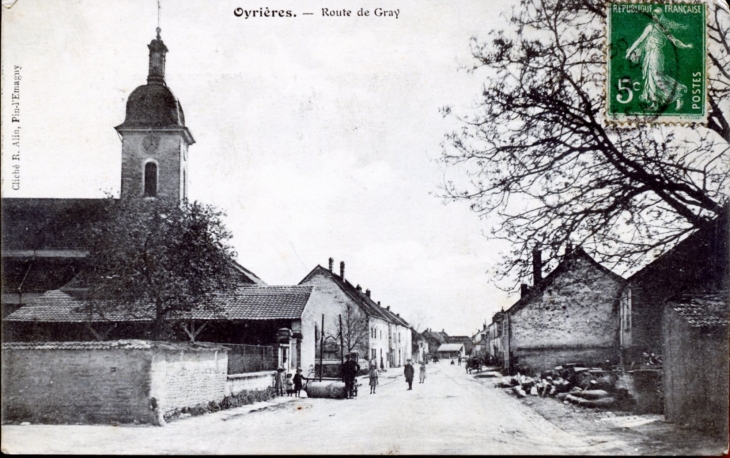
244,303
112,344
434,336
450,347
60,307
260,303
702,309
368,305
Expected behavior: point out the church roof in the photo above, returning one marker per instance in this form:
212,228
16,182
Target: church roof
153,106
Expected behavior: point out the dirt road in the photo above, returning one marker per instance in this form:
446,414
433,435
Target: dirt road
451,413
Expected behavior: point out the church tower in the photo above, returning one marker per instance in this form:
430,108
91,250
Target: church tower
155,139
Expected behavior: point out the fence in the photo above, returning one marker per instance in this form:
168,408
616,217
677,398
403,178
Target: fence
251,358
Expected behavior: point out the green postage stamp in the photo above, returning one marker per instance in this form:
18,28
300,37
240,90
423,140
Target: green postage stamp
657,68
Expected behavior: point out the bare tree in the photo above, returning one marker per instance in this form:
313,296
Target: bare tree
542,165
355,329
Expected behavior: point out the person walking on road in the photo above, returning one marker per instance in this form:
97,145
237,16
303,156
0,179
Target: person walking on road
408,371
459,360
373,378
422,372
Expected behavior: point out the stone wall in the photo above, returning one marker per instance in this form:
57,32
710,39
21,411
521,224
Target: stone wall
105,382
186,377
695,374
250,381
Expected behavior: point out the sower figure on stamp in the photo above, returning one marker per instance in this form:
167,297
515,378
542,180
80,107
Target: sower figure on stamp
660,89
409,372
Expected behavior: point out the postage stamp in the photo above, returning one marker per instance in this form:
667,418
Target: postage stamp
657,68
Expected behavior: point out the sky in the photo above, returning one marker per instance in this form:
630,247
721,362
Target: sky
319,136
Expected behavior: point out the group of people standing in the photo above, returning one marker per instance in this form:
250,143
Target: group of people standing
291,382
409,372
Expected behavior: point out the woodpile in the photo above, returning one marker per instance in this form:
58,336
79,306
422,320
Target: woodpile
582,386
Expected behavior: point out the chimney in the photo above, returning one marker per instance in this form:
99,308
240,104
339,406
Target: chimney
536,267
378,302
358,288
524,289
332,261
342,269
367,292
485,327
387,308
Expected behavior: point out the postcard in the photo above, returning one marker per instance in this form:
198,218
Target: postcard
433,227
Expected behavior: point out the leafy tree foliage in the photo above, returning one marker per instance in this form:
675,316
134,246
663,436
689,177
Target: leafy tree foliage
537,159
158,259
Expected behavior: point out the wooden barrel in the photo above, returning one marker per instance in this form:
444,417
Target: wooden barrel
326,389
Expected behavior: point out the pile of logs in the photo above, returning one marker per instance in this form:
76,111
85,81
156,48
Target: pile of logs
586,387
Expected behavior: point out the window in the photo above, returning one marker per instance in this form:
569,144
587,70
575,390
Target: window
150,179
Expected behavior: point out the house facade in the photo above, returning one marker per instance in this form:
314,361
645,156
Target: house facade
386,336
570,316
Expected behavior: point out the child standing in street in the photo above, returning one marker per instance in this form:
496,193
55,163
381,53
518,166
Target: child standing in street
279,381
298,381
373,378
289,385
422,372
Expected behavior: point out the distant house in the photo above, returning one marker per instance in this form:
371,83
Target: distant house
570,316
464,340
494,341
451,350
433,340
697,264
387,338
479,340
695,342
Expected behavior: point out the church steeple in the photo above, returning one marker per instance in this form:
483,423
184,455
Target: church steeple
157,60
155,139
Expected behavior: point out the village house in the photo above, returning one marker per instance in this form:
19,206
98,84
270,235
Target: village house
697,264
570,316
386,337
479,340
464,340
433,341
451,351
494,339
674,315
